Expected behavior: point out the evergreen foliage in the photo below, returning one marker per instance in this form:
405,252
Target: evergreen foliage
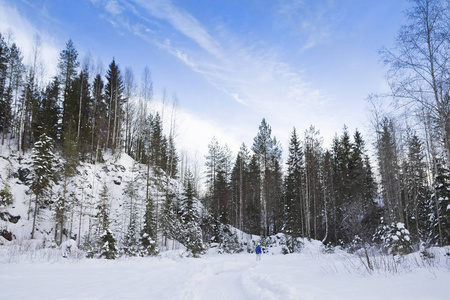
6,198
394,238
43,161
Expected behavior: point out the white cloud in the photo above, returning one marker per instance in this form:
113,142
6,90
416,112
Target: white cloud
183,22
249,73
113,7
23,36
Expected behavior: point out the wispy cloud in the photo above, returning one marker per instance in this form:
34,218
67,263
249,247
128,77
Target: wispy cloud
312,21
251,74
183,22
23,35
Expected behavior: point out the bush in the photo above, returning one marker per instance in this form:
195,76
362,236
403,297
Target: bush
394,238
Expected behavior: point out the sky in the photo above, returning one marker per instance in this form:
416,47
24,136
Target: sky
229,63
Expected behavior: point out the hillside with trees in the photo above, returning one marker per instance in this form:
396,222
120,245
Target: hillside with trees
87,158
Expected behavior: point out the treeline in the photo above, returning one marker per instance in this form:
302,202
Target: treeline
84,113
78,117
323,194
333,194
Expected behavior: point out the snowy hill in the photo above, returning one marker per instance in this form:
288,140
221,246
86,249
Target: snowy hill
125,180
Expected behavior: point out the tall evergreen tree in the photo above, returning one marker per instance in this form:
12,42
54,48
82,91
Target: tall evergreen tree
43,161
68,64
4,54
49,111
114,105
107,242
190,218
149,231
389,171
268,154
98,118
293,188
238,188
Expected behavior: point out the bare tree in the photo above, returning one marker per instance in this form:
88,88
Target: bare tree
419,74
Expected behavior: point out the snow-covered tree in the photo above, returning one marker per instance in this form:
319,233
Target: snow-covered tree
43,161
394,238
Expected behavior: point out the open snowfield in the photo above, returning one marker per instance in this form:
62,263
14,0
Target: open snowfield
306,275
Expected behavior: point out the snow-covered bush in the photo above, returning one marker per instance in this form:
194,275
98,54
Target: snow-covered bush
394,238
108,249
148,246
355,245
328,248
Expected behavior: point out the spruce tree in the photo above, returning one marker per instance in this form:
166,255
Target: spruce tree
268,153
441,200
293,188
149,231
107,242
49,111
190,218
238,188
43,161
68,65
114,105
4,54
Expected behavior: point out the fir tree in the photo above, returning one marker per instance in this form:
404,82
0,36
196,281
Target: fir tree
113,96
149,231
107,242
293,185
68,65
6,197
43,161
441,199
190,218
49,111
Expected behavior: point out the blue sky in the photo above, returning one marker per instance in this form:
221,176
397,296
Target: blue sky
230,63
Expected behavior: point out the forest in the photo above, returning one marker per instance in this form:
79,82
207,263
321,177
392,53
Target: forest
397,195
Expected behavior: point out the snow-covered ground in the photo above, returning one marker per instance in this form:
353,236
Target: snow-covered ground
307,275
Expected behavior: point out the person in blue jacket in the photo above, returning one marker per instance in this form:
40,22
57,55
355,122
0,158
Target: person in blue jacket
258,252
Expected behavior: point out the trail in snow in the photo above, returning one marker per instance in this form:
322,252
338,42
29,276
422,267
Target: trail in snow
237,276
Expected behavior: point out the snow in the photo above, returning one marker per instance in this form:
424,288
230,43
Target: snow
310,274
30,271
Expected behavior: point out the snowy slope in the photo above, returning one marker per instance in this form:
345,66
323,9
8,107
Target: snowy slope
85,186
